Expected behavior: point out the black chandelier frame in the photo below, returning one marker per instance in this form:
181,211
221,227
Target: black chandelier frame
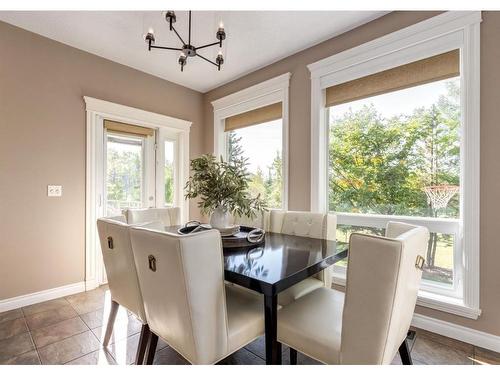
187,49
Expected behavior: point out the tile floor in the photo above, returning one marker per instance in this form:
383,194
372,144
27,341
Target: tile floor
69,331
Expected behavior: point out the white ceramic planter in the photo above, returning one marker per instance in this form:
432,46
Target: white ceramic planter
219,218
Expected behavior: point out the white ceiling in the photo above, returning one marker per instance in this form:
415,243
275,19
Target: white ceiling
254,38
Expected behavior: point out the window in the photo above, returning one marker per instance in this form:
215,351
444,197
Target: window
125,172
395,127
385,151
261,145
253,123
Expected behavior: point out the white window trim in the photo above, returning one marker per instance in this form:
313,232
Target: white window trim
272,91
439,34
97,110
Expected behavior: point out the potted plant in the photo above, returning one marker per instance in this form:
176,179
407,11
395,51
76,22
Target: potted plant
222,188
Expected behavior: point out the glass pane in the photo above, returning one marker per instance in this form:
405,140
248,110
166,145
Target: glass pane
262,145
124,174
439,259
439,256
386,151
169,172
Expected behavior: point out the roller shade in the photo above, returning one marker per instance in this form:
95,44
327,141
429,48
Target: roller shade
254,117
435,68
121,127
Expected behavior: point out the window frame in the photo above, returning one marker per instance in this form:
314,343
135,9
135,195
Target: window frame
445,32
272,91
166,135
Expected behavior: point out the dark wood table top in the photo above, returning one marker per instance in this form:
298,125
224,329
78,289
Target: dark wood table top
281,262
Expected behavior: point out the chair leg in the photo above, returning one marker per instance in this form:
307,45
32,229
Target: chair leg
143,343
153,341
111,322
405,354
293,356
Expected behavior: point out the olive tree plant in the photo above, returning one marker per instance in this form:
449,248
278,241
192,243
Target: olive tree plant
221,184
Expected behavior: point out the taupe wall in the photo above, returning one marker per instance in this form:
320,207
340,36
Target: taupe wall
300,110
42,141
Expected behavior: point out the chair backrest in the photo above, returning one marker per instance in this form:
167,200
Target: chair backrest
306,224
302,223
167,216
182,283
381,292
119,262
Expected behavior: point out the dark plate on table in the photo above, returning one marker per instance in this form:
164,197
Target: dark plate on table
238,240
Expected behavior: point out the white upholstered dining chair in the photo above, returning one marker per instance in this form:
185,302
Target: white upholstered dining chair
186,301
166,216
369,323
305,224
123,282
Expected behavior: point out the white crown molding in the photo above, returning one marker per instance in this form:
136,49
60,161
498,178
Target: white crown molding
131,114
278,83
457,332
439,25
41,296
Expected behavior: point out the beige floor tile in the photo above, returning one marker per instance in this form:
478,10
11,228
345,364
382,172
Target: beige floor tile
11,315
15,346
29,358
258,347
85,296
460,345
69,349
431,352
49,317
241,357
99,317
169,356
59,331
94,300
99,357
122,329
44,306
124,351
397,361
12,328
486,357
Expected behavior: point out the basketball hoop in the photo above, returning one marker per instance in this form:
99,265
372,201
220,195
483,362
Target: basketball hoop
440,195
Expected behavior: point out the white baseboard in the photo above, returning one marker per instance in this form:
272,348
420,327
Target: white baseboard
42,296
457,332
91,284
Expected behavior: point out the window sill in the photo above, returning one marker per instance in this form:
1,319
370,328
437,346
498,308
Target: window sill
434,301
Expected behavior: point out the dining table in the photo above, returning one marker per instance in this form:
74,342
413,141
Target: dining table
277,264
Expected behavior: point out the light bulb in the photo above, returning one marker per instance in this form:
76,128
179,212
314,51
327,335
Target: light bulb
221,25
220,52
151,30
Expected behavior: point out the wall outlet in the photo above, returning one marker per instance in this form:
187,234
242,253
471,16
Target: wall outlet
54,190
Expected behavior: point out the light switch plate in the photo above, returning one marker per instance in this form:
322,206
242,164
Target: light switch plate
54,190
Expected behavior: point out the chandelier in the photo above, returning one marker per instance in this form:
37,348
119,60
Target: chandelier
187,49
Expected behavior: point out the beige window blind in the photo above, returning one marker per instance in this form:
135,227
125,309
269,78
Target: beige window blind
254,117
121,127
435,68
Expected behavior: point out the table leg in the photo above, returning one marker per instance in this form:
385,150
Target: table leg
273,347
